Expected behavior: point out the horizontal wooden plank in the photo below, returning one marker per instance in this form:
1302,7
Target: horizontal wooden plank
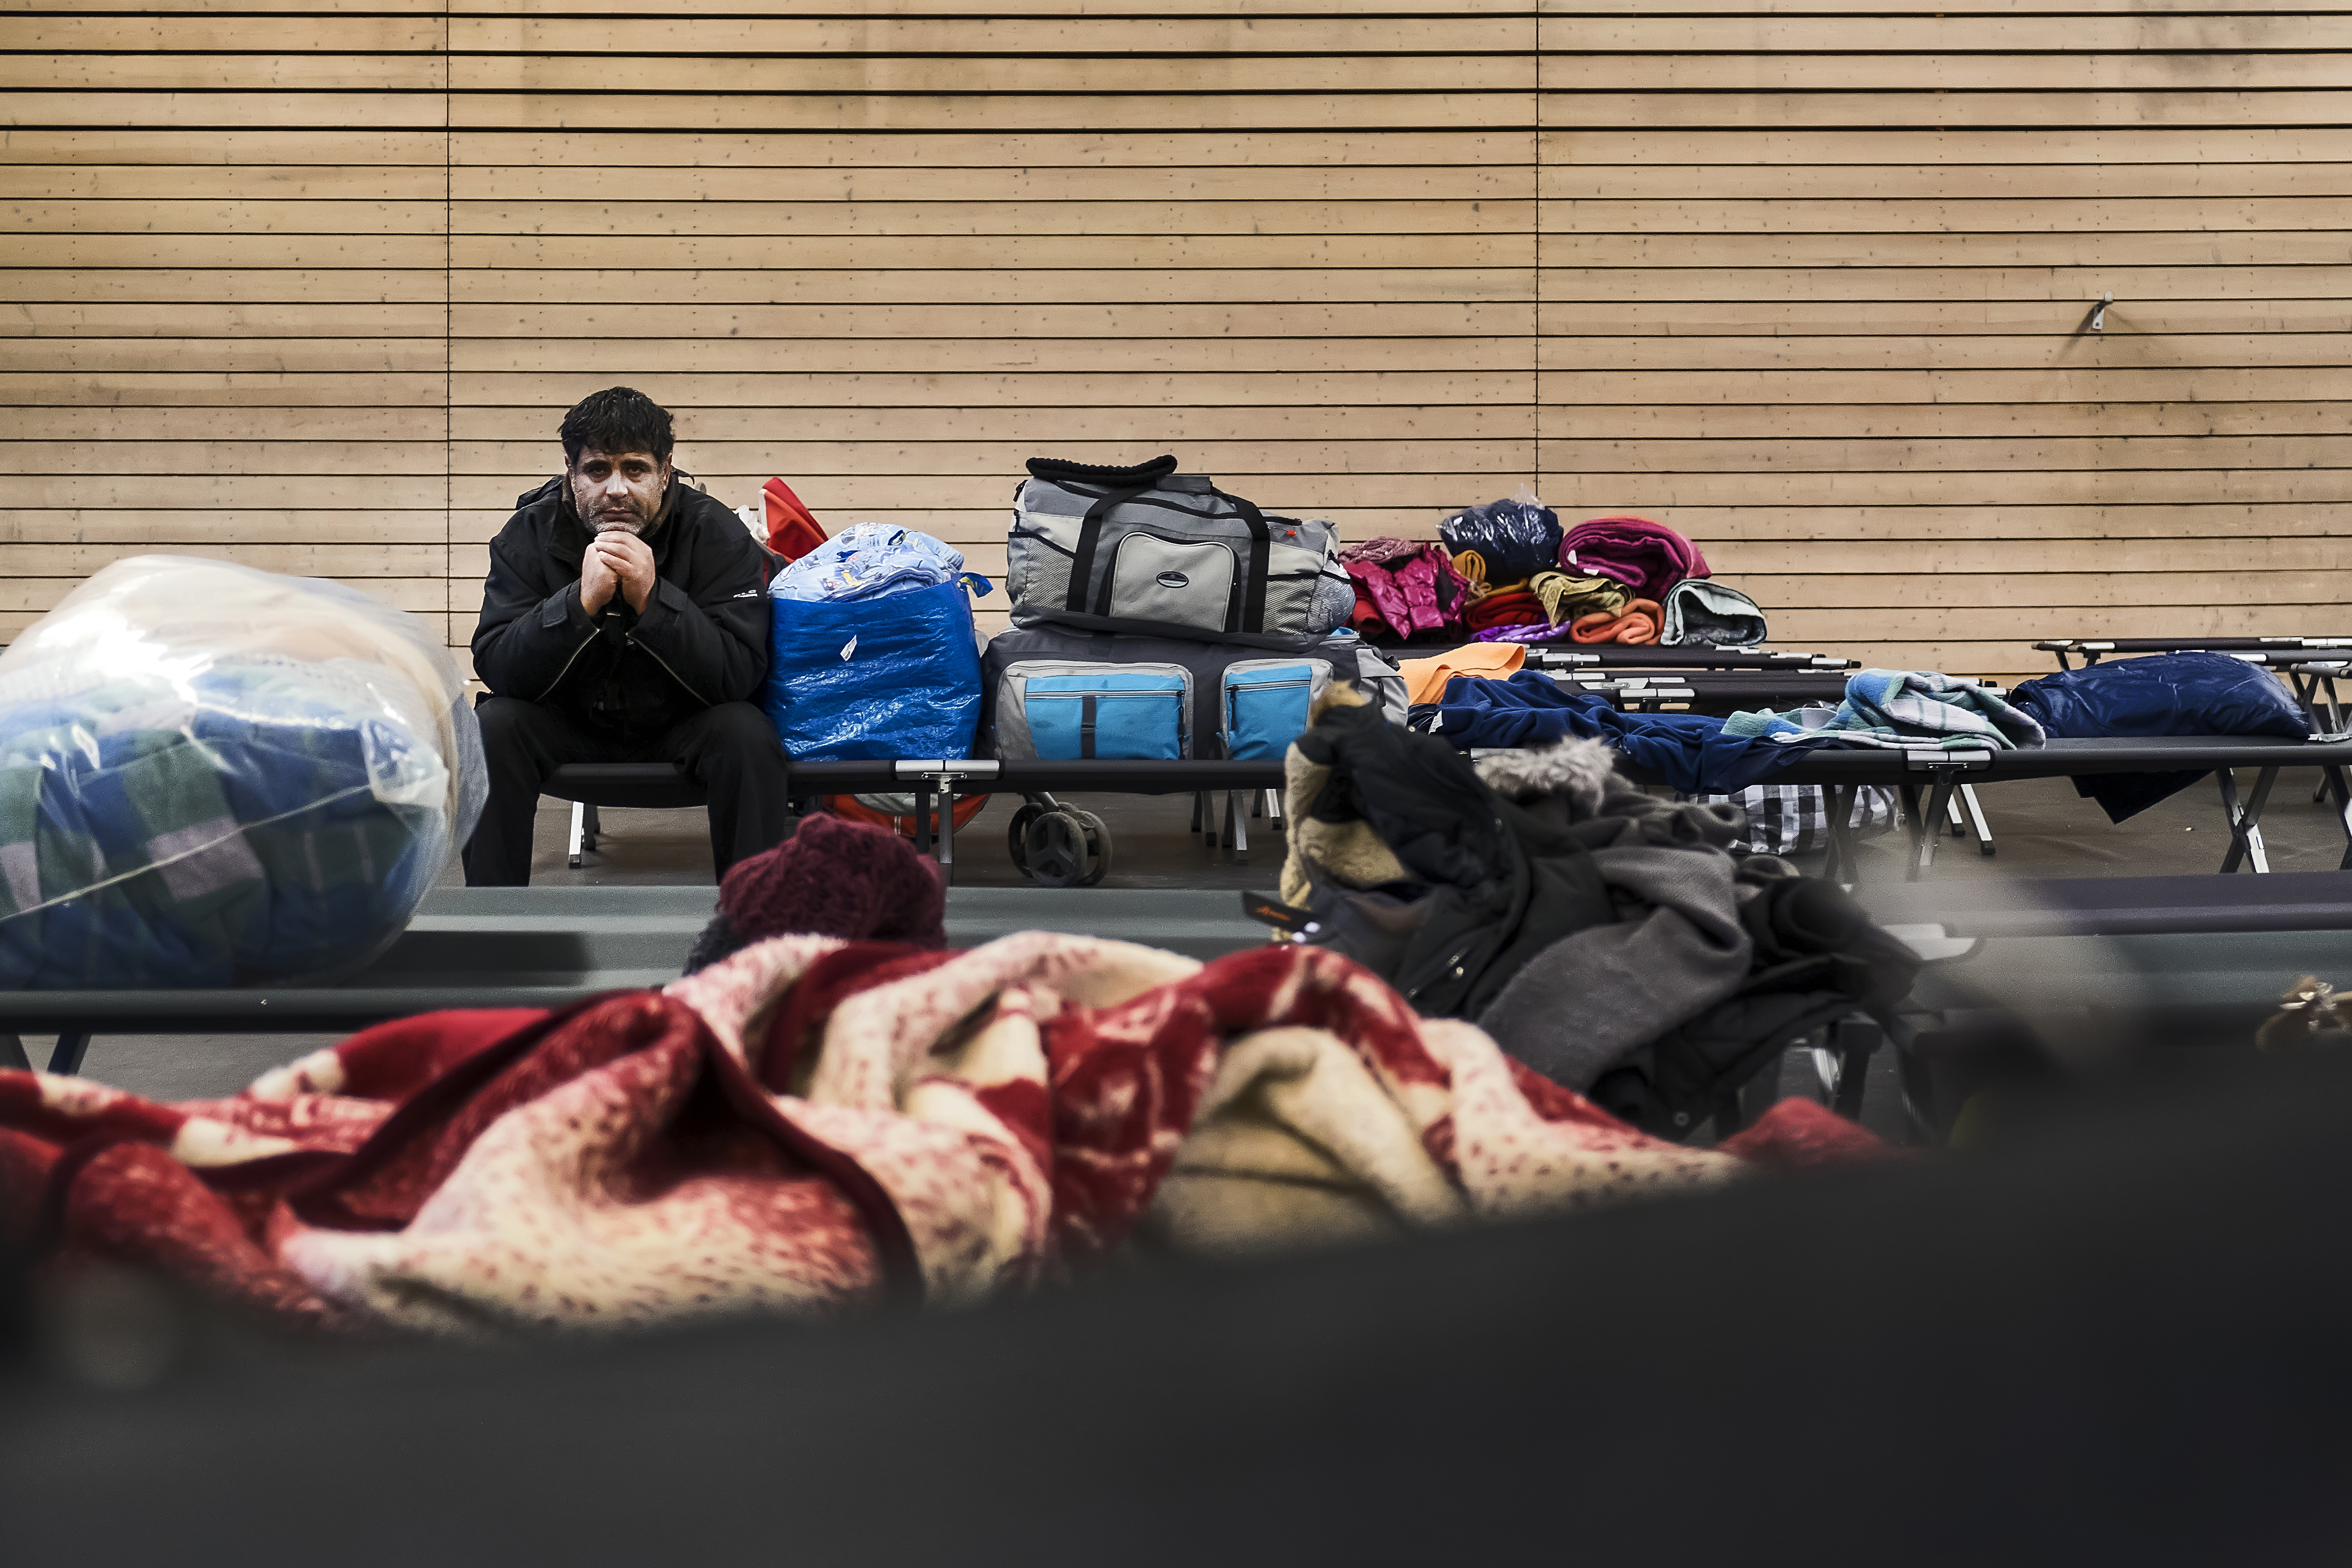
1038,224
1078,110
276,320
1958,33
256,455
32,596
2135,216
240,217
1036,430
2021,455
2215,70
699,153
999,285
901,75
223,285
323,557
1834,281
965,525
283,73
263,148
1293,288
222,182
2007,631
1506,392
878,38
558,184
1598,494
344,356
2217,250
2231,560
1311,495
1486,249
209,528
2058,348
1767,146
196,32
298,252
942,356
2067,384
1849,182
2073,590
184,492
153,111
1942,318
2010,520
980,460
1940,421
1618,110
1128,322
231,389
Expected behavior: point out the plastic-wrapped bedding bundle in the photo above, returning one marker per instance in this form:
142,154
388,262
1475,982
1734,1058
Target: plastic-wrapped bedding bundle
211,775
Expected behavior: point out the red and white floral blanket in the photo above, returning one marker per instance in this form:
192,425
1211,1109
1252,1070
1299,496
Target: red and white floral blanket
815,1123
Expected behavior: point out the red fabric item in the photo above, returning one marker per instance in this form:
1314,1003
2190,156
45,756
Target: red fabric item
806,1125
851,809
844,878
1638,622
792,529
1505,607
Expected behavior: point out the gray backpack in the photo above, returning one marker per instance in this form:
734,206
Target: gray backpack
1149,544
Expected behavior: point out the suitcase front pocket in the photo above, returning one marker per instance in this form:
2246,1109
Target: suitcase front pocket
1131,717
1266,703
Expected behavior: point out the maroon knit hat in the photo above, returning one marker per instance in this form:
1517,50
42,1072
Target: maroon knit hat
830,878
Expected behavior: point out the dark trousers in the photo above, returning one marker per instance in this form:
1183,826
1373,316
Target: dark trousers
730,750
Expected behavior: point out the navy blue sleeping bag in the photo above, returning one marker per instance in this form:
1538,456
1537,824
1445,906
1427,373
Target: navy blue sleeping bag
2165,694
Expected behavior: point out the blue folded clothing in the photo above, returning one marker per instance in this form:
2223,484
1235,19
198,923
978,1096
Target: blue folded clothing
1690,751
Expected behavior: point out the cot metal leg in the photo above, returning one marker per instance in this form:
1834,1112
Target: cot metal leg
66,1060
1953,819
946,837
923,817
1854,1041
12,1053
579,835
1236,826
595,828
1273,805
1840,865
1977,818
2333,781
1940,800
2245,821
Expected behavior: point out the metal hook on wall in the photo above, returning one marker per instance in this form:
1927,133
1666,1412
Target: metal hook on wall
2099,321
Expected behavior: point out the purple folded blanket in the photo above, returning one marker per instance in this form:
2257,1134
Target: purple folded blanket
1647,557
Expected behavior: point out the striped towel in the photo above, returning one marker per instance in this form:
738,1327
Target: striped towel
1909,710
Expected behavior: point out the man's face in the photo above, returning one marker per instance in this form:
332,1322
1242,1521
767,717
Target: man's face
619,490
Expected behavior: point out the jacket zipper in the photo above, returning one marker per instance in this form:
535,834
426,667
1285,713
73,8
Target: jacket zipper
673,675
566,670
1450,968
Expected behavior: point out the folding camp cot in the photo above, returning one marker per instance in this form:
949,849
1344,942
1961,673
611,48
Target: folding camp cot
1658,655
552,947
1842,771
2270,650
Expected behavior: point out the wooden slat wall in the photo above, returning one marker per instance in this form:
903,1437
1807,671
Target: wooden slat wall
311,289
1814,289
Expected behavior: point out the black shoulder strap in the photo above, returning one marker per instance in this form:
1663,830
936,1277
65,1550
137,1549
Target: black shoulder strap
1253,583
1082,564
1143,474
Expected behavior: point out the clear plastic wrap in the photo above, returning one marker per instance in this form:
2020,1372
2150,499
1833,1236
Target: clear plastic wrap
212,775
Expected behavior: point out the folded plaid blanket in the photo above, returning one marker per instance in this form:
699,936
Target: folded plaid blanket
1902,709
250,821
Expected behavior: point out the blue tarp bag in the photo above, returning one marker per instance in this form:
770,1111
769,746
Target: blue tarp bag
893,676
2168,694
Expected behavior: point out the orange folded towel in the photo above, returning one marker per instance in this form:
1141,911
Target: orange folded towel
1638,622
1425,678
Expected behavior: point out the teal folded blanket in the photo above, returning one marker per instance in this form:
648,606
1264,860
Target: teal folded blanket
1902,709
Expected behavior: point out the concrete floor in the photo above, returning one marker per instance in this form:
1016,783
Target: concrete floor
2041,828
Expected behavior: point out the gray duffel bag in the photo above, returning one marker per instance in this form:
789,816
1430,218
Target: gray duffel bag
1149,544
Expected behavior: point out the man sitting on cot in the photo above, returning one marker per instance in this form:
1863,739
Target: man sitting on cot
625,619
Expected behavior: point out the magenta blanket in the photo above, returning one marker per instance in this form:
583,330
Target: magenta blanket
1647,557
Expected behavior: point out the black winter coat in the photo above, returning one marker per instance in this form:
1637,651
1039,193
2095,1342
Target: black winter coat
701,640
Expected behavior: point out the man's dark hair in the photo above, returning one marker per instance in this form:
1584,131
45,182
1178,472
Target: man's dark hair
619,419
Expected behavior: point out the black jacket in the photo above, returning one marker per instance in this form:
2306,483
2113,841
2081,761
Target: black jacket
701,640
